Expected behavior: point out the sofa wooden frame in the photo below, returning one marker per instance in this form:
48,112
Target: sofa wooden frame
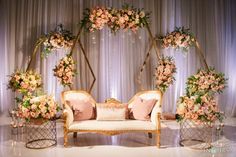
111,132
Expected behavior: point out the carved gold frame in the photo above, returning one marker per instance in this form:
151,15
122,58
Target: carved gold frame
112,132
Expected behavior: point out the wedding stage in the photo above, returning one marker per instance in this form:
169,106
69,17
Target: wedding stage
117,78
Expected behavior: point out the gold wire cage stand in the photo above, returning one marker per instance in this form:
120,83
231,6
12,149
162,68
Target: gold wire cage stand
194,135
41,135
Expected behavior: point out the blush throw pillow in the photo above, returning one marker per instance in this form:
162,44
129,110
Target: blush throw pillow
111,111
83,110
142,108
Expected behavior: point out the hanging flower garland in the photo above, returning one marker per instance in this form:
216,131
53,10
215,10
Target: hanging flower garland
180,38
42,107
116,19
164,75
24,82
199,104
57,39
65,70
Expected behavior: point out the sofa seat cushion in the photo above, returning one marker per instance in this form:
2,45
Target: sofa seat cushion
112,125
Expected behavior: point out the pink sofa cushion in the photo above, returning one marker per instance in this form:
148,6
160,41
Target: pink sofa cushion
83,110
141,108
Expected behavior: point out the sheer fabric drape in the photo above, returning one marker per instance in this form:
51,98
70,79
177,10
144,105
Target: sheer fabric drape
116,59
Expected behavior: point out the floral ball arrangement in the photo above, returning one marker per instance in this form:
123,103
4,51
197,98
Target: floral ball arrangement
24,82
65,70
199,103
165,73
58,39
180,38
126,18
31,107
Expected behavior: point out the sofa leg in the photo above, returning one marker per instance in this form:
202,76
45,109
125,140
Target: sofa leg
75,134
158,133
158,140
65,139
149,135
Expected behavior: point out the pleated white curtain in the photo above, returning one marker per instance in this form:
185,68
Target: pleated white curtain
116,59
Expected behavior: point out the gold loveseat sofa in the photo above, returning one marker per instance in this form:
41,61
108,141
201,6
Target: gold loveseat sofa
112,127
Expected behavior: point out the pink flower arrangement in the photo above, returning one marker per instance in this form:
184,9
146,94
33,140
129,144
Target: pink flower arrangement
65,70
31,107
24,82
165,73
115,19
200,109
98,18
199,104
58,39
206,82
180,38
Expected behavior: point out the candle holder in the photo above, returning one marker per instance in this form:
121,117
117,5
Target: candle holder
17,123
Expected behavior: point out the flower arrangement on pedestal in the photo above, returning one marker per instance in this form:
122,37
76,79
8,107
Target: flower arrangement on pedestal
199,104
58,39
164,75
115,19
65,70
42,107
180,38
199,108
24,81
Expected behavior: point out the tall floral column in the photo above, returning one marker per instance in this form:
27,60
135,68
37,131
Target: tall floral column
198,110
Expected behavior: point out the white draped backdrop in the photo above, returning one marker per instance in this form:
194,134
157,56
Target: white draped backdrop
116,59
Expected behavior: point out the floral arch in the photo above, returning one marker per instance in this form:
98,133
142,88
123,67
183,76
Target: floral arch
116,19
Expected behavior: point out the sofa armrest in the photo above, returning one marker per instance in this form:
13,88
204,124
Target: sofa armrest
156,110
68,115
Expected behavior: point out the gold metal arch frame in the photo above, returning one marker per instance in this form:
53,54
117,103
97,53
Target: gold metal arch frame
42,39
199,50
77,39
157,50
154,44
